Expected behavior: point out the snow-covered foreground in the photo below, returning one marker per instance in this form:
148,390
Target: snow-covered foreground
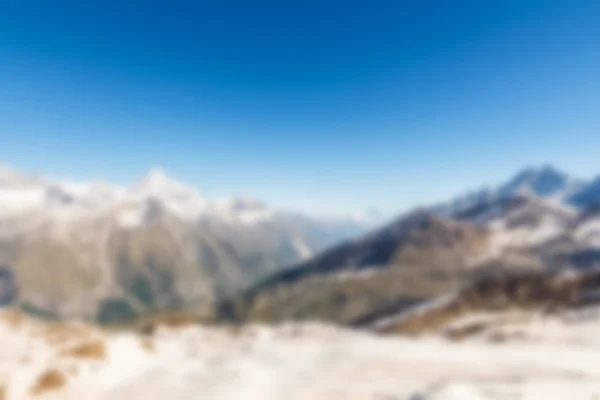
552,359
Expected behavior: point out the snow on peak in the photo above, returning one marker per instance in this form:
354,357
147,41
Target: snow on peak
92,196
534,183
157,182
157,187
22,195
544,181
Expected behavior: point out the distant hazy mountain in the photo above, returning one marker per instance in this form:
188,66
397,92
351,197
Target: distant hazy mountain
104,251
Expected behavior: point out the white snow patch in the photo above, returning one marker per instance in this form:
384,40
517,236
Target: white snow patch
589,232
504,237
301,247
130,218
304,361
20,200
412,312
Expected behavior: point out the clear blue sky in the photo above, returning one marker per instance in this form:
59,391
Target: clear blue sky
316,105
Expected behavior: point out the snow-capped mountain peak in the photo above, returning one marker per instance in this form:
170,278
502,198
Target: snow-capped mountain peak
544,181
36,199
157,187
157,183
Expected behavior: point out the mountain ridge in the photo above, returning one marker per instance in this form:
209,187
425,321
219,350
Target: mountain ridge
527,222
113,252
34,190
76,249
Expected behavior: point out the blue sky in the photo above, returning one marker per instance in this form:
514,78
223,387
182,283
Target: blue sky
323,106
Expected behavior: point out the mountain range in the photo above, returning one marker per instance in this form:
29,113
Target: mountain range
110,253
541,219
104,251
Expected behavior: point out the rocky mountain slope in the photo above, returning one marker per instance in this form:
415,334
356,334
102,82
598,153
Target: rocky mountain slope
111,253
532,222
103,251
